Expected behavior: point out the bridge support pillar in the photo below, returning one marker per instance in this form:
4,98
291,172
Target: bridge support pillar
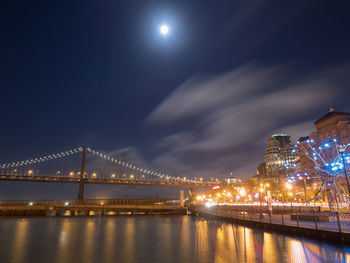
58,212
82,176
182,204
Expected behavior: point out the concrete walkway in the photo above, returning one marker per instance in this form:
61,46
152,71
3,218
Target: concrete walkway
277,219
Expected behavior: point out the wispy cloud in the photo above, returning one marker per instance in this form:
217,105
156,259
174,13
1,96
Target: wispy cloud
229,117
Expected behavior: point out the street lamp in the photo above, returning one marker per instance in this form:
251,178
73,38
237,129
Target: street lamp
242,193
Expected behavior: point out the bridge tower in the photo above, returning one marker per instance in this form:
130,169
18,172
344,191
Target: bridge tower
82,175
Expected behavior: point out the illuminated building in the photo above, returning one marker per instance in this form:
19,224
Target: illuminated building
333,125
233,180
332,131
280,156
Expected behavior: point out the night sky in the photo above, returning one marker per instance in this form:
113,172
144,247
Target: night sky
201,101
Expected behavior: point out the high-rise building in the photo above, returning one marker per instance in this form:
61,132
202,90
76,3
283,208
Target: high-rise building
280,156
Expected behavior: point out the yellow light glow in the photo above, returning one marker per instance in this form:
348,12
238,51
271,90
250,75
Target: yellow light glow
261,190
242,192
218,195
289,186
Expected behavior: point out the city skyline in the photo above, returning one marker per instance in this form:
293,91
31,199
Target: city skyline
203,108
174,131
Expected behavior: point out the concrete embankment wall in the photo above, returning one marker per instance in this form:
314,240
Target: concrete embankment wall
89,211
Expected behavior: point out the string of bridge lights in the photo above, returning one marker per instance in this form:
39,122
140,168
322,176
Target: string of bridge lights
42,159
99,154
133,167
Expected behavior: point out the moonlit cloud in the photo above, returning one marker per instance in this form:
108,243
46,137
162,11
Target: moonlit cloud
231,116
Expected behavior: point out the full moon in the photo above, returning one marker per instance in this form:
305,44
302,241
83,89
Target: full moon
164,29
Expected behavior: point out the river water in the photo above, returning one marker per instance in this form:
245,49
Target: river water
153,239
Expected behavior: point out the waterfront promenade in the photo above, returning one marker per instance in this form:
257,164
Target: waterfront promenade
338,227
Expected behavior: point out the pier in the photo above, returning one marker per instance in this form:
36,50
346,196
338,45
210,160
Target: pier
91,207
287,222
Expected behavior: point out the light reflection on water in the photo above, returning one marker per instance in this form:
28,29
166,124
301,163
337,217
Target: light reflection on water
153,239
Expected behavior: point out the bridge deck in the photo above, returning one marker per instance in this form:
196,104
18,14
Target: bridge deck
110,181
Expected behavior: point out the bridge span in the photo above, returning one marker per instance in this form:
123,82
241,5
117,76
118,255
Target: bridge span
93,167
110,181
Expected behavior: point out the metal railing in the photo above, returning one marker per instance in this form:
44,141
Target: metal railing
299,218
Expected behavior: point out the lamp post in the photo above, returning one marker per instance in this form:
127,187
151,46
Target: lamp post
289,187
259,194
305,197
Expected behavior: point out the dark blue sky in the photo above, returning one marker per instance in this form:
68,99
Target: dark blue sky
99,73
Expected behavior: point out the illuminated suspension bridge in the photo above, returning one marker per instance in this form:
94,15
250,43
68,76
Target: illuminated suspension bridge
84,165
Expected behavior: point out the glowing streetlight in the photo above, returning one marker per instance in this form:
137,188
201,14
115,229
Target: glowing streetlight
164,30
289,186
242,192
